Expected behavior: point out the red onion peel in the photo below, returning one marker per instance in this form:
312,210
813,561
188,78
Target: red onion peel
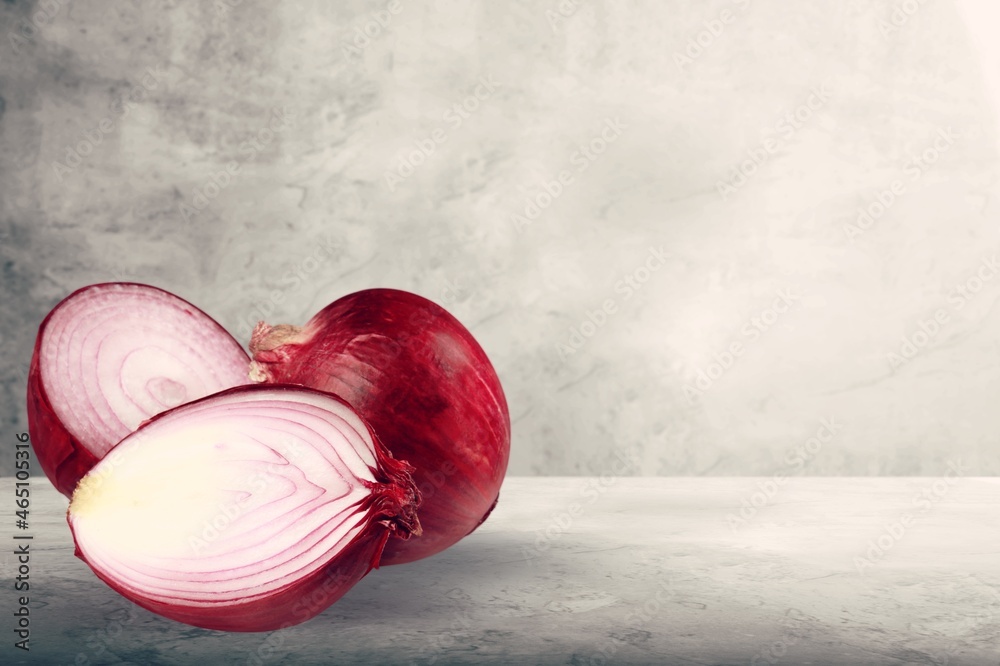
423,383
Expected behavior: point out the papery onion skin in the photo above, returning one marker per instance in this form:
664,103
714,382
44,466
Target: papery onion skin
391,512
423,383
66,458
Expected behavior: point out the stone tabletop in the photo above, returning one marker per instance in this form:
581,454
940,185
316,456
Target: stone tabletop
614,570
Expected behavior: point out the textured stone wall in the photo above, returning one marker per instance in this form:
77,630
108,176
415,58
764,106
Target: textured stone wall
649,213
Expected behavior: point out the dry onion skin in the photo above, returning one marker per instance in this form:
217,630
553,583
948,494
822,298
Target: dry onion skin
249,510
110,356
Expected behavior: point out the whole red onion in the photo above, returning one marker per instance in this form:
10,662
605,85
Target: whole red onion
425,386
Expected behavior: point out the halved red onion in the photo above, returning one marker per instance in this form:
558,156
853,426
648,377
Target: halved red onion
110,356
423,383
249,510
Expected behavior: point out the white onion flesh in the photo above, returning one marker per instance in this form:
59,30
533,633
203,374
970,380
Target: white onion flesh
228,499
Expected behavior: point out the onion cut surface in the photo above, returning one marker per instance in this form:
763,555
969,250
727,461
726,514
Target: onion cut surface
425,386
112,355
249,510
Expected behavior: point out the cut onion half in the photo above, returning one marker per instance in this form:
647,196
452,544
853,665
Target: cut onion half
249,510
112,355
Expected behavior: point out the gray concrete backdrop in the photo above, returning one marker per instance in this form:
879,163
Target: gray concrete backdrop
651,214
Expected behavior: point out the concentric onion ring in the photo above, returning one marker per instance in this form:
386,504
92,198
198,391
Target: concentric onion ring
110,356
248,510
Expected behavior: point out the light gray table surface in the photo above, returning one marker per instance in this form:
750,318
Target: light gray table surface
582,571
